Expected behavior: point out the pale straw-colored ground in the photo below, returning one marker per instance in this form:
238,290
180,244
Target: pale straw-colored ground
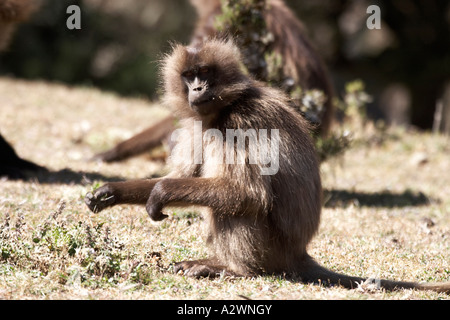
387,213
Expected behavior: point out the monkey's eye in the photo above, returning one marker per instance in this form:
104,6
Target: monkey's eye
188,74
203,70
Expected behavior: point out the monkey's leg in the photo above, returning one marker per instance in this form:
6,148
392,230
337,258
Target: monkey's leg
215,193
205,268
126,192
142,142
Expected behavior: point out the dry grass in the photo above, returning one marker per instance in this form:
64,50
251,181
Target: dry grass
387,214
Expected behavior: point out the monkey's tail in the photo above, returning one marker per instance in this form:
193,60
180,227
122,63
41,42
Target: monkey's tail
313,272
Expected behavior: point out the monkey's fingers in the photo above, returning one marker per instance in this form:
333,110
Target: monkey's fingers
193,269
200,269
98,201
154,211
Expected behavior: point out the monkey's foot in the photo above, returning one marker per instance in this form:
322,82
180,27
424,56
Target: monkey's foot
201,269
100,199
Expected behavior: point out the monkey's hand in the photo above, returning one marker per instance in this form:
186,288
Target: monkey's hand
155,204
101,198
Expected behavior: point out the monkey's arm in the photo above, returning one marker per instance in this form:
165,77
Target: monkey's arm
126,192
144,141
217,193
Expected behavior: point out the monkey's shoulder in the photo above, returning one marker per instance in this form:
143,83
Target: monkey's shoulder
266,107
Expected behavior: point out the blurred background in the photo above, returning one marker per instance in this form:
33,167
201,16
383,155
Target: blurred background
405,65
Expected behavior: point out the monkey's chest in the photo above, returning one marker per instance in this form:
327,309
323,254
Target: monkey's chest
214,162
221,159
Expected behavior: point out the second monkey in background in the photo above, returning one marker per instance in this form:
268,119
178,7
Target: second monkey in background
301,63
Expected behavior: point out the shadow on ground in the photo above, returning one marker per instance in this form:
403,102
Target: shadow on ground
386,199
332,198
64,176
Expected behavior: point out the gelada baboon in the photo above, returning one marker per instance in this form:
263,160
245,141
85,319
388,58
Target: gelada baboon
301,63
13,12
256,223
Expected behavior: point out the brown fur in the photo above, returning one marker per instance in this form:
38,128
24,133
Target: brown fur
301,63
256,224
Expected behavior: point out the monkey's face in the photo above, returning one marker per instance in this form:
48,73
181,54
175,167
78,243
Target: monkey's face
201,86
205,79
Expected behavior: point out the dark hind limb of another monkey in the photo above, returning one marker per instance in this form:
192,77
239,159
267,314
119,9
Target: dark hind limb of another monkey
146,140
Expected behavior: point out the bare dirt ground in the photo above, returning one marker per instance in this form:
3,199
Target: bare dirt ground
386,215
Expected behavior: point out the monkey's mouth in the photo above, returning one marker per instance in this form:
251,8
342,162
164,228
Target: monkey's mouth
204,106
199,102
